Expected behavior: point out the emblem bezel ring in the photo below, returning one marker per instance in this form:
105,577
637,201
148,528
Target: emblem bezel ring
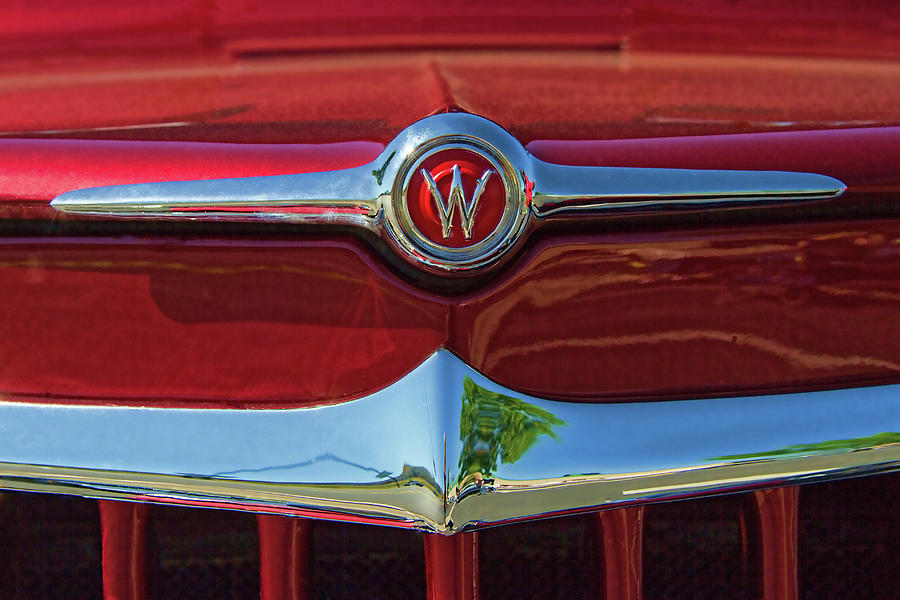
502,160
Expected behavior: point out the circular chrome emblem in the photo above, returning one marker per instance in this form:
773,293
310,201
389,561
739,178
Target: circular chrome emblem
458,203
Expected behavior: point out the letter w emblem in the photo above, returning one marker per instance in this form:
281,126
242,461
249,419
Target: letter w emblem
457,199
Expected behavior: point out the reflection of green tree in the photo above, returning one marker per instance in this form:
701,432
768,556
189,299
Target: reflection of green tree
879,439
497,427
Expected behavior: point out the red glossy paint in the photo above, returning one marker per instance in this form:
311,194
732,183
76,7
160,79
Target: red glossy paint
336,97
283,557
269,323
776,518
837,26
265,318
330,98
206,323
451,564
621,531
124,528
267,25
744,309
596,96
602,314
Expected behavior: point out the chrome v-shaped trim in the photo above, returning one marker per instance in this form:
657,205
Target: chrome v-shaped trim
445,450
374,196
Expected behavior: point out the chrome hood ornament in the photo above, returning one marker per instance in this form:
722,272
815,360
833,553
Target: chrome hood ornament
452,193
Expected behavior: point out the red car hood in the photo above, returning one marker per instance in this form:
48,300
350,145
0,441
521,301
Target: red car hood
631,308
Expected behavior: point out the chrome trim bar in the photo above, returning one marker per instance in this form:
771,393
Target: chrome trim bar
348,195
374,196
561,190
445,450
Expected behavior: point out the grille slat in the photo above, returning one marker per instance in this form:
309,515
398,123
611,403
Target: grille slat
622,533
452,566
776,520
283,557
124,531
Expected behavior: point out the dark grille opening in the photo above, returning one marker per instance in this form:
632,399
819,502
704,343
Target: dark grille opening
201,553
358,561
355,561
50,547
554,558
849,547
696,549
849,532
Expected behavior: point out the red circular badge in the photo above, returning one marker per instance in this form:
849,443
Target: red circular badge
459,207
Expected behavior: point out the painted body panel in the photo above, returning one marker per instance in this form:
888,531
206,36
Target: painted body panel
739,303
624,311
836,27
293,322
345,96
233,322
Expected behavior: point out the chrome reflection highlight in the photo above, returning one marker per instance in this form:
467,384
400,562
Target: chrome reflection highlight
374,196
445,449
495,427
